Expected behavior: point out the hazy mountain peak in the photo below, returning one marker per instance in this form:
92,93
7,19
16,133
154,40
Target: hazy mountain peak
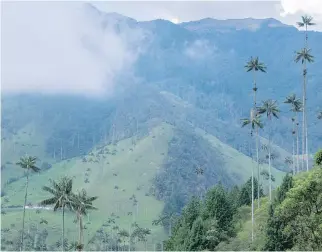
110,16
119,17
208,24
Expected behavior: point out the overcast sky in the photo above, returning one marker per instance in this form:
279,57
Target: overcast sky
288,11
51,46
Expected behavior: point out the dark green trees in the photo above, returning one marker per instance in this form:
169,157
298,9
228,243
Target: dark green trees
245,196
203,225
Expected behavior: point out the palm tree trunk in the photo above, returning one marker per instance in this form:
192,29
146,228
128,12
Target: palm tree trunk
258,171
254,89
24,213
293,146
269,162
305,148
306,130
80,242
63,230
257,137
293,159
297,144
251,154
303,119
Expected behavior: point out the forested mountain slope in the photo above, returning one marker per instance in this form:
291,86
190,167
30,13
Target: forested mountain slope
175,113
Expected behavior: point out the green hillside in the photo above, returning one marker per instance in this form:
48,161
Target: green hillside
239,165
164,149
134,167
114,173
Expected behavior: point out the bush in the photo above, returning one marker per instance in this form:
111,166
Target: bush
318,158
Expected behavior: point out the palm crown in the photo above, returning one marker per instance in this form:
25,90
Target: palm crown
81,203
306,21
28,163
294,102
61,193
254,121
304,55
255,65
270,108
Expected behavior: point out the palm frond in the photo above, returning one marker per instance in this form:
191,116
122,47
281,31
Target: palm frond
48,189
300,24
47,202
28,162
254,65
304,55
245,121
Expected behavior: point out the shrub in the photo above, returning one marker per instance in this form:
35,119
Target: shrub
318,157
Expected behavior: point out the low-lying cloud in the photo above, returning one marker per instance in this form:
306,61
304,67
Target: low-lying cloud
63,47
312,7
293,8
199,49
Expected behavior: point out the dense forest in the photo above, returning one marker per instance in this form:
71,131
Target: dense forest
292,221
184,157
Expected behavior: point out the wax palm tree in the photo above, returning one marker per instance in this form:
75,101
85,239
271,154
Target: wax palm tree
296,107
255,122
254,65
81,204
304,56
28,163
270,108
61,198
306,22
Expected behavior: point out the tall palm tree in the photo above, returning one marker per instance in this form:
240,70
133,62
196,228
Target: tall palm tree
254,65
81,204
306,22
304,56
254,121
28,163
270,108
296,107
61,198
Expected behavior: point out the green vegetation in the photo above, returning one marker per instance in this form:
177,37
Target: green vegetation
168,162
220,222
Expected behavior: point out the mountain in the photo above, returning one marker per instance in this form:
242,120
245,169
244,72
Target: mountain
181,112
209,25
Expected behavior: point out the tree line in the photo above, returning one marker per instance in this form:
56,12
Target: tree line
219,222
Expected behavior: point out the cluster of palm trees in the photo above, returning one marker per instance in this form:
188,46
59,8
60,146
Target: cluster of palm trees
271,110
62,198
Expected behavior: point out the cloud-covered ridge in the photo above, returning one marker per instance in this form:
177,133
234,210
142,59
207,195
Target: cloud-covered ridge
63,47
